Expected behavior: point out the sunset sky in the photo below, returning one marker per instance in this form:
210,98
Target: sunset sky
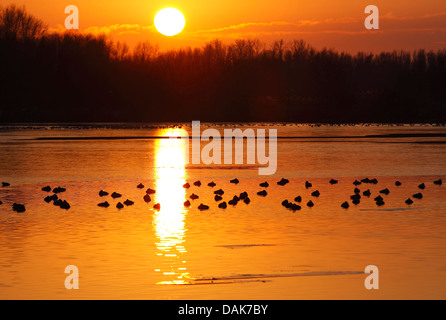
323,23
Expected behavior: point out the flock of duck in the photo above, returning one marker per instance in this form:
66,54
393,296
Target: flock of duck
292,205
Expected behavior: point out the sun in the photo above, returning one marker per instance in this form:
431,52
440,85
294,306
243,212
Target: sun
169,21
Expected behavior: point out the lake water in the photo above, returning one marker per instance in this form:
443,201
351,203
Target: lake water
256,251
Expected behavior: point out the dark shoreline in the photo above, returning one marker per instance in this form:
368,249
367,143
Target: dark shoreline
413,135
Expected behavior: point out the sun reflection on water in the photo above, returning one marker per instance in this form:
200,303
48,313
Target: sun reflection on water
169,222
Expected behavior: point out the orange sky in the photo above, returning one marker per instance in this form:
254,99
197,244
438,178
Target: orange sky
404,24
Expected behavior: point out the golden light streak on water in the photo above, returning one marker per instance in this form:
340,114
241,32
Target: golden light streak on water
169,222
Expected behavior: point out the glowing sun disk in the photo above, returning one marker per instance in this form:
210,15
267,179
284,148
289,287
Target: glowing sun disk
169,21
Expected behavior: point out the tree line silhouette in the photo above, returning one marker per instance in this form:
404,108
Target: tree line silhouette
76,77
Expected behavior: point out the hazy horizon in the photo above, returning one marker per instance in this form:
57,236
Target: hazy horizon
325,24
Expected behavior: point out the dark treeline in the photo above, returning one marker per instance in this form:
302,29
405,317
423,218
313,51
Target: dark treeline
76,77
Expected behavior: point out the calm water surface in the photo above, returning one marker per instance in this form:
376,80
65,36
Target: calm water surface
255,251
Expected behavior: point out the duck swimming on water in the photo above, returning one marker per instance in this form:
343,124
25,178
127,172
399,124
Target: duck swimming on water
116,195
220,192
283,182
104,204
223,205
197,183
103,193
147,198
193,196
202,207
18,207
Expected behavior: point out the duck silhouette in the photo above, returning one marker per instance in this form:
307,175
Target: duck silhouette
187,203
119,205
186,185
285,203
380,203
232,202
345,205
356,196
104,204
298,199
247,200
308,184
409,201
235,181
197,183
116,195
64,205
398,183
264,184
333,181
57,202
150,191
283,182
212,184
310,204
140,186
357,183
262,193
220,192
5,184
385,191
367,193
316,193
128,202
48,199
378,198
217,198
59,190
295,207
193,196
356,190
202,207
418,195
46,189
222,205
103,193
243,195
18,207
422,186
157,207
147,198
438,182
